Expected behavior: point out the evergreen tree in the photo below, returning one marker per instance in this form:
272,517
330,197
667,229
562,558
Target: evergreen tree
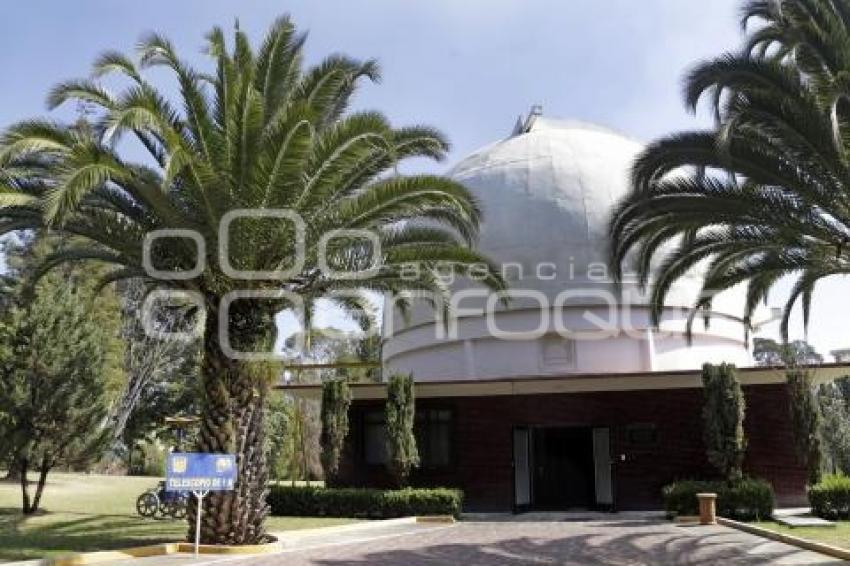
400,416
370,350
769,352
61,362
805,417
354,357
834,405
278,434
723,420
336,399
302,443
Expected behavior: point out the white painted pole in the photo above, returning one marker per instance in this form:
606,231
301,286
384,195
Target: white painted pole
199,495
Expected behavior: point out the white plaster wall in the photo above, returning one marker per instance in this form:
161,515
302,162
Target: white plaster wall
475,353
674,353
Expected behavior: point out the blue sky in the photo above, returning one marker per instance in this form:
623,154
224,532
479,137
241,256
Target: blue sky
468,67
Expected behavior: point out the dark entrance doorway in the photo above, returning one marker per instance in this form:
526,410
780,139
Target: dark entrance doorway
563,468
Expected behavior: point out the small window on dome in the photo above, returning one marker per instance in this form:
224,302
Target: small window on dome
558,352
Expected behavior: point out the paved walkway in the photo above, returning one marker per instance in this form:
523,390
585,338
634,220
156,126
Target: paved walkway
615,541
618,541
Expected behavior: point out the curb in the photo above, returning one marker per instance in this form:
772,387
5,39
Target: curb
805,544
120,554
447,519
267,548
166,549
283,537
286,538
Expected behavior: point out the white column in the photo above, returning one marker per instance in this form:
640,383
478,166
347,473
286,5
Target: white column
650,349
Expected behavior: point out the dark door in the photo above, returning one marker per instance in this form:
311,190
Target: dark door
563,468
602,464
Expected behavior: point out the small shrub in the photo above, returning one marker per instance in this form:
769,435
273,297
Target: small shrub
680,497
747,499
830,498
363,503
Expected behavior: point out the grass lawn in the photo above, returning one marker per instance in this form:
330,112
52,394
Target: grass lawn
839,535
91,512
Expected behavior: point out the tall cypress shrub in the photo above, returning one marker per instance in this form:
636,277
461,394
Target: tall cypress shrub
400,416
336,399
805,417
723,420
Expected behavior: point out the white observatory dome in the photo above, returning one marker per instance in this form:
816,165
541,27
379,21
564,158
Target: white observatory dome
547,193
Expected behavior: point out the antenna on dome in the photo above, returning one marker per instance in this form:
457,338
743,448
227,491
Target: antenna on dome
524,126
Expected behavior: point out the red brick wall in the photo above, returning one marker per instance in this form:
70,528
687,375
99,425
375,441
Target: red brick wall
483,442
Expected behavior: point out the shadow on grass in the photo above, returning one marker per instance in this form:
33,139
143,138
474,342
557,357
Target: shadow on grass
47,533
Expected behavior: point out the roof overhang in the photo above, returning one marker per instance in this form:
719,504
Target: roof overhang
576,383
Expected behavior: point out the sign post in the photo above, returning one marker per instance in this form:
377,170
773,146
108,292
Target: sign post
200,473
199,496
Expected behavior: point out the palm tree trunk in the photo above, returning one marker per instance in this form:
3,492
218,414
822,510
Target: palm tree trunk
233,422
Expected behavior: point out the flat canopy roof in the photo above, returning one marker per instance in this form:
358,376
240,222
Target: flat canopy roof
573,383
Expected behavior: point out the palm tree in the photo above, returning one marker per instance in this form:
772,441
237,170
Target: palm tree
260,132
764,194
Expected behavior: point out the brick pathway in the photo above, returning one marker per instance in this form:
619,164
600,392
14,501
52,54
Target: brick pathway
616,540
620,542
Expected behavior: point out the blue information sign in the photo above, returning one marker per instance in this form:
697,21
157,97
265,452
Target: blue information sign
200,471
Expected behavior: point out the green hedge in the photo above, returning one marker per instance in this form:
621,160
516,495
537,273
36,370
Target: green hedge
830,498
746,500
363,503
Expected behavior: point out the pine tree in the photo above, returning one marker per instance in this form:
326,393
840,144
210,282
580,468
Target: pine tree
61,362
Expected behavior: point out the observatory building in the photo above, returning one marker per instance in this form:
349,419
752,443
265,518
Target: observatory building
547,193
565,396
